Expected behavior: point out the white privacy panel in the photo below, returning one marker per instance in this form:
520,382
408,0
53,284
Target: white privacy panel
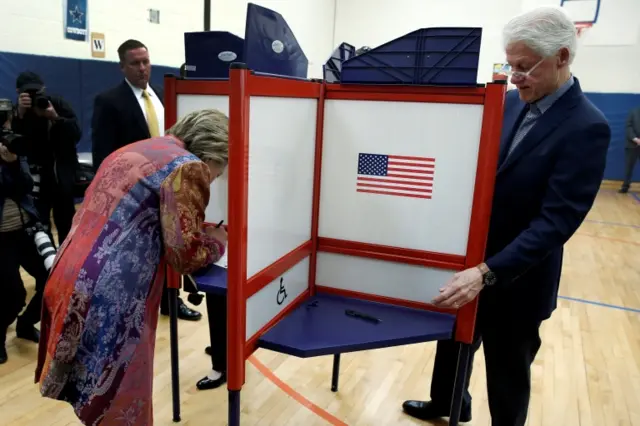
399,173
219,195
379,277
263,306
281,157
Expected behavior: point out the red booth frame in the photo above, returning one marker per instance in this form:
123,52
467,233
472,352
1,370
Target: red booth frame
243,84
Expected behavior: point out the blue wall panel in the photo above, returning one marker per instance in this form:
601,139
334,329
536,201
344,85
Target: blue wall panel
77,81
616,107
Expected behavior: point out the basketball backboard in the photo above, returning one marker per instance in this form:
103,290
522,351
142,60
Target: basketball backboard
582,12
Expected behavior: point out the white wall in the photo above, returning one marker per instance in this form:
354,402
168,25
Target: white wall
312,22
608,57
601,68
36,27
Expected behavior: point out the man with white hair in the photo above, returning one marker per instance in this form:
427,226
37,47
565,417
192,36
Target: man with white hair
552,158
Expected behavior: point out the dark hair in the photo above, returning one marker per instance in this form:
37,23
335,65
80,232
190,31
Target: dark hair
28,77
127,46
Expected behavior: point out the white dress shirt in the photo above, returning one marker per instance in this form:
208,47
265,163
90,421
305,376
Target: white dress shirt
157,104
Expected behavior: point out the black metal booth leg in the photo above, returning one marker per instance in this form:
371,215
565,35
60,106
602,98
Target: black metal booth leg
460,383
336,373
234,407
173,341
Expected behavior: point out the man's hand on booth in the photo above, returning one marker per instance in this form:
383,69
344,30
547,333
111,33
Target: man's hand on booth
461,289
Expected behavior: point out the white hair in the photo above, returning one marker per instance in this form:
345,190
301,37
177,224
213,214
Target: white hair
546,30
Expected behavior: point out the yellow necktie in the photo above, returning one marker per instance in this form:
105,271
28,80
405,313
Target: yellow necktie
152,118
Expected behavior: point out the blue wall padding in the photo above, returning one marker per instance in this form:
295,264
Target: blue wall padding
616,107
78,81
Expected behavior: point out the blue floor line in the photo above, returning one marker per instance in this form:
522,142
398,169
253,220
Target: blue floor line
636,196
604,305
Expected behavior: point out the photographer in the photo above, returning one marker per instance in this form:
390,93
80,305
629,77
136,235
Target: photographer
18,216
52,132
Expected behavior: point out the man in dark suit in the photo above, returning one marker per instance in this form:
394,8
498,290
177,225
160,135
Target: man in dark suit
128,113
552,159
632,149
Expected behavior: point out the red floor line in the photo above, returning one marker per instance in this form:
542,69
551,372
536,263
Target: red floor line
320,412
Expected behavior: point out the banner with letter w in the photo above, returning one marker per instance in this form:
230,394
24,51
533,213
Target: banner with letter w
75,20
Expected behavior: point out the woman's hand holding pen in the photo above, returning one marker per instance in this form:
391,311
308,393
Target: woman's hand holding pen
219,233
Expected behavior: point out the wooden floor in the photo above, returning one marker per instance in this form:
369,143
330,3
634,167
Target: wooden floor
587,372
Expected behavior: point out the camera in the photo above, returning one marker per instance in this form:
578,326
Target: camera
15,143
38,100
43,243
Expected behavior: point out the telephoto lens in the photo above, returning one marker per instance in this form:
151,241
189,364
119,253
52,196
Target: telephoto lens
45,248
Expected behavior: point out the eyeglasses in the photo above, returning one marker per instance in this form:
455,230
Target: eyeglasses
521,75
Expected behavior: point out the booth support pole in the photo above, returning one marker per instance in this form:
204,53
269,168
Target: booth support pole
317,179
460,383
172,278
335,376
170,101
173,283
487,165
207,15
238,233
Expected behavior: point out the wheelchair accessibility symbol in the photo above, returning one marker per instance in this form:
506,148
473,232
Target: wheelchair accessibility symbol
282,293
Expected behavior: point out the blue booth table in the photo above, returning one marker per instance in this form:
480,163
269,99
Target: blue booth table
321,325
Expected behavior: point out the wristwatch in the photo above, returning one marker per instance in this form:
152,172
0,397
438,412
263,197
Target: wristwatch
488,277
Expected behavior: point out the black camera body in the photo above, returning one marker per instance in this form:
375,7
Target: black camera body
39,100
16,144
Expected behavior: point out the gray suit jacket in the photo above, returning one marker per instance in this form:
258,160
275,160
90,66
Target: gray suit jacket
633,127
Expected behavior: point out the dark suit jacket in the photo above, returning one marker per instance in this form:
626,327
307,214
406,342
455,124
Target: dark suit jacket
117,121
633,128
543,192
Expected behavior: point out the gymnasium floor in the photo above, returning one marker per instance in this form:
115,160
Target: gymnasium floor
587,372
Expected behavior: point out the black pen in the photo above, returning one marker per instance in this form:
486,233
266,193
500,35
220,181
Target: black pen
363,316
220,224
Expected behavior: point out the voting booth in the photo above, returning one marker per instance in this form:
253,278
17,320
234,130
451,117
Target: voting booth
349,201
348,207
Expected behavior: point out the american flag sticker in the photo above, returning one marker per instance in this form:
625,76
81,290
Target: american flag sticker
398,175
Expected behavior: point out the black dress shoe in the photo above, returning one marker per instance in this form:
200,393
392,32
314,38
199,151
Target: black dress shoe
427,410
184,312
27,332
3,354
206,383
623,190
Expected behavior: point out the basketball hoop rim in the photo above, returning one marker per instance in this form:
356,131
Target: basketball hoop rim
581,26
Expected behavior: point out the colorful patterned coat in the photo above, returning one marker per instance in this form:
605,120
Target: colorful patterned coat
145,207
